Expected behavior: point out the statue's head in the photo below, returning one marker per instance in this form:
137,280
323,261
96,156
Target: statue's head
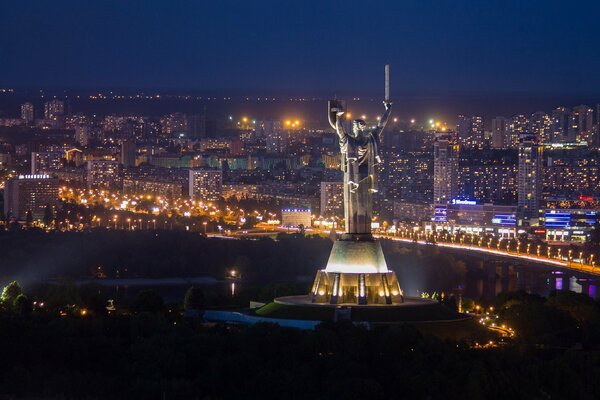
358,127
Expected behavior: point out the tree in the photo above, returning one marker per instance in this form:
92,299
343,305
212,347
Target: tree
63,294
194,298
148,301
301,229
28,218
22,305
48,215
251,221
10,293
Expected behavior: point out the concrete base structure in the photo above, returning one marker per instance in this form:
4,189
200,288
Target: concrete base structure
356,273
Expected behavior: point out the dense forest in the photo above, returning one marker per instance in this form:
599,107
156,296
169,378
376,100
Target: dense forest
156,354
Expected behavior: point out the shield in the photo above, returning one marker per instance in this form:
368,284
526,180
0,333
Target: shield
334,106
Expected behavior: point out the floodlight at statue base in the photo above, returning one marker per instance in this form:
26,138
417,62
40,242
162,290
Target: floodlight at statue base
356,288
356,273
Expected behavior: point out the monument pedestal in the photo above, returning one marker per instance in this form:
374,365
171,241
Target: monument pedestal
356,273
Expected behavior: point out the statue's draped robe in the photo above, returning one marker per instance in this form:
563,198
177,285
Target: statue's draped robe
359,157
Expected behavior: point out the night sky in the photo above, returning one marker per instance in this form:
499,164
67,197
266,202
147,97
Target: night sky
303,46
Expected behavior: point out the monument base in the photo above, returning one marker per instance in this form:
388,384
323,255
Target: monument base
356,288
356,273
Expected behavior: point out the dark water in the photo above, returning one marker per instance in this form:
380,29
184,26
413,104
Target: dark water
497,277
124,293
480,284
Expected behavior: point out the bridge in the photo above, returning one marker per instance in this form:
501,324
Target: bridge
477,246
559,261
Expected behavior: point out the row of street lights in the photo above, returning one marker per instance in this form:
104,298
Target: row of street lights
481,242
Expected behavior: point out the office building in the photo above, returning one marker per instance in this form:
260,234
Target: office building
30,194
295,217
470,217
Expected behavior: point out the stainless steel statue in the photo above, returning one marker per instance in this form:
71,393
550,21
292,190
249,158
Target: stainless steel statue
360,155
356,272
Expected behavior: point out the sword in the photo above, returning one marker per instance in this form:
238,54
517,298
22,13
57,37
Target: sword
387,82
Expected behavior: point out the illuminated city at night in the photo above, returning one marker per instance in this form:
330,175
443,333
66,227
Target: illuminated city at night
320,200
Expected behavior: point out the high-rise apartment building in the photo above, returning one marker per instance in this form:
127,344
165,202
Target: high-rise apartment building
54,113
27,113
529,178
445,168
103,174
46,161
83,134
519,125
469,131
560,125
332,199
540,124
174,124
205,184
197,126
128,153
276,138
501,133
581,124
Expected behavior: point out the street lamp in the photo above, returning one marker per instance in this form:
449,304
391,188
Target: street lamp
205,223
129,223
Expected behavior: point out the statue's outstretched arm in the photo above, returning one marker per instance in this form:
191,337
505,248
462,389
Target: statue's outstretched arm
383,120
339,127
